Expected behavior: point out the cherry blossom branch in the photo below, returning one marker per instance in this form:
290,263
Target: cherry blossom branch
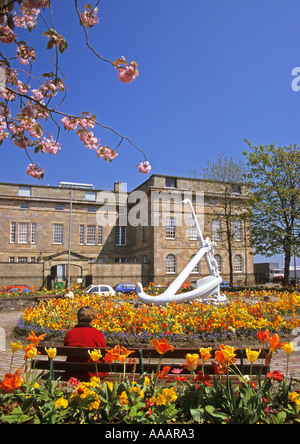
32,107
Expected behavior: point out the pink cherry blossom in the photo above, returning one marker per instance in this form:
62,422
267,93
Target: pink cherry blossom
87,122
89,18
88,138
69,123
144,167
25,54
27,19
127,73
106,153
31,125
22,88
50,145
35,171
7,35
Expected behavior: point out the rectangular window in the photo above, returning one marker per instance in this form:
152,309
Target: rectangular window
58,233
24,191
171,182
33,233
193,231
170,228
12,232
59,207
216,230
11,260
120,236
91,235
22,260
237,229
81,234
24,206
100,235
23,231
90,195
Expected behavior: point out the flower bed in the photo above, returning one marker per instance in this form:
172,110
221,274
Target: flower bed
152,400
125,323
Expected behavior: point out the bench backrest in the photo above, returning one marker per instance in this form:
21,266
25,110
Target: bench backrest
145,358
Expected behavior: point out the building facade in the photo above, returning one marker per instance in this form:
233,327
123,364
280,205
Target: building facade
74,231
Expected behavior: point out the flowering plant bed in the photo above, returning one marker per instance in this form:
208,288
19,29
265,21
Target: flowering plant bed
194,398
128,323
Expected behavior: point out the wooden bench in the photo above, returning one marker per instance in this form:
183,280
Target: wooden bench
146,360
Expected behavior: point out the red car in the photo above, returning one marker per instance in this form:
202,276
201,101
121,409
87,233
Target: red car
16,289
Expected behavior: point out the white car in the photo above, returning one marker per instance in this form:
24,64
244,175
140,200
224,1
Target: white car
101,289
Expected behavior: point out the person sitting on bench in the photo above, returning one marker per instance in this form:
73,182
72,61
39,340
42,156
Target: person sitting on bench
84,335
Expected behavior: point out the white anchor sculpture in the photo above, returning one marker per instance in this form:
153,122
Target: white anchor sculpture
207,286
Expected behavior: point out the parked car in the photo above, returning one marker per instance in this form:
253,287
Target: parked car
16,289
125,288
100,289
226,284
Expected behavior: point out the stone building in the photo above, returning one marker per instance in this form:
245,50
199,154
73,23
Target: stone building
105,236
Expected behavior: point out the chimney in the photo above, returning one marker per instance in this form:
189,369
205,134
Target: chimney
117,187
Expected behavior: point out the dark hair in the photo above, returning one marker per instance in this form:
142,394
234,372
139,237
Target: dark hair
86,314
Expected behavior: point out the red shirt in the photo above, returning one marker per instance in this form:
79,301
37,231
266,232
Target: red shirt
84,336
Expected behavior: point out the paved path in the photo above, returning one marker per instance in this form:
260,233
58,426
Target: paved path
9,319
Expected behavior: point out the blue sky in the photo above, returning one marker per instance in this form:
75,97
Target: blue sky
212,73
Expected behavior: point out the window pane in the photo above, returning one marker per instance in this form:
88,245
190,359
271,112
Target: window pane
58,233
33,233
193,231
238,264
23,233
216,230
100,235
120,235
24,191
81,234
12,232
171,264
91,235
170,228
237,228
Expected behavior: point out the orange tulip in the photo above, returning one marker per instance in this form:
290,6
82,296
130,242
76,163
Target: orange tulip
274,343
12,381
35,339
112,355
162,346
263,336
124,353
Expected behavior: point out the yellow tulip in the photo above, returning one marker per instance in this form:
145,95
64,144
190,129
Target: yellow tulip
191,361
252,355
31,352
51,352
95,355
288,348
15,346
205,353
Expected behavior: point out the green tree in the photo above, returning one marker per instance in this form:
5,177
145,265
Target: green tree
233,204
274,177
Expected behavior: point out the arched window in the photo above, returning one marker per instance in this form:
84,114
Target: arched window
218,259
171,264
238,264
